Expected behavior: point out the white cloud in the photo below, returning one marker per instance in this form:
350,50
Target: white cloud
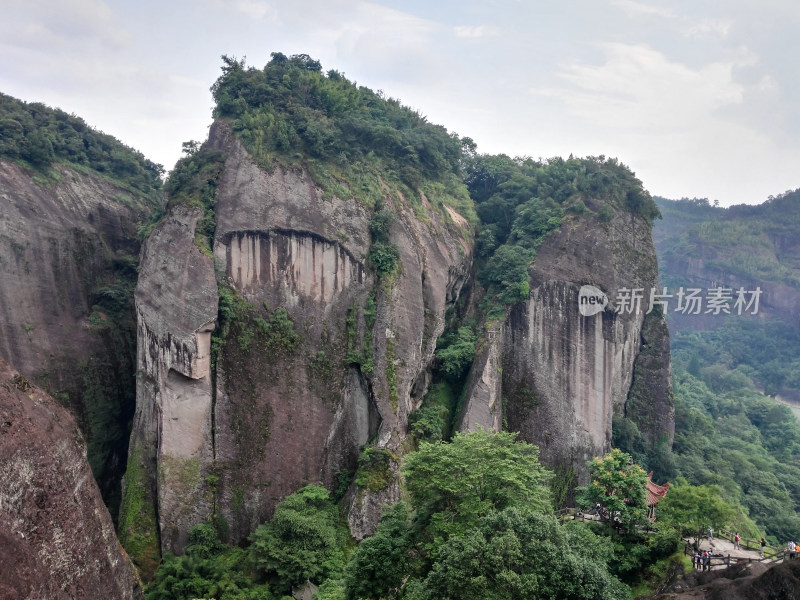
63,24
709,28
474,31
633,8
255,9
698,97
639,87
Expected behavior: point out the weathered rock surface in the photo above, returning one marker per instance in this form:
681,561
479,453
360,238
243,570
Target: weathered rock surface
59,243
483,404
56,536
286,408
171,444
564,375
746,581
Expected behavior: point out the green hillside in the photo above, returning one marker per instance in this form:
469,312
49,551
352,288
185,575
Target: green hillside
38,136
727,432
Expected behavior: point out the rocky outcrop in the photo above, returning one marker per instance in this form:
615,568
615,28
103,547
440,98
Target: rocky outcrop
650,402
483,406
56,536
64,244
745,581
171,448
564,374
313,358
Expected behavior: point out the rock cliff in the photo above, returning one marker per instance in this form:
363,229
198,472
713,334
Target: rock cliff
56,536
562,376
313,356
68,251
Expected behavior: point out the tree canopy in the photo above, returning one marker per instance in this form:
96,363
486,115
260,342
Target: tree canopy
619,486
39,135
692,509
454,484
305,540
518,553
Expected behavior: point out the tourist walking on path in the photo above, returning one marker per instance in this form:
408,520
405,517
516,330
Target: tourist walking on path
763,545
710,533
736,541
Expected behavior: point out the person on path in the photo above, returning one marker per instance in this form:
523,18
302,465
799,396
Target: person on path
736,541
710,533
763,545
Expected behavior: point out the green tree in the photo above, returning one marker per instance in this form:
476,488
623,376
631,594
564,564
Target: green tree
507,272
454,484
693,508
209,569
456,355
619,486
380,562
518,553
305,540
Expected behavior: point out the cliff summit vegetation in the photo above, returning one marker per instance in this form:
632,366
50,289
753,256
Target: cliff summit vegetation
38,136
348,136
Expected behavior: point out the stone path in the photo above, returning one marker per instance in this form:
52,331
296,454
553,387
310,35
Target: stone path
723,547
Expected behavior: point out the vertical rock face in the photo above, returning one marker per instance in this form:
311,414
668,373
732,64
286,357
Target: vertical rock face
171,444
650,402
56,536
564,375
315,358
483,406
55,242
61,245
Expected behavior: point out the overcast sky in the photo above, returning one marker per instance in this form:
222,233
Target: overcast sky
700,98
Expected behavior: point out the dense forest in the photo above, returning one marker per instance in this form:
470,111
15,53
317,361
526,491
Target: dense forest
730,431
478,523
39,136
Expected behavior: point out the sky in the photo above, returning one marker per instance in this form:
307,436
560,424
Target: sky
699,98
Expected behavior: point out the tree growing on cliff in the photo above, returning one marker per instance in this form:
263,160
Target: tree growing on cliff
455,484
305,540
619,486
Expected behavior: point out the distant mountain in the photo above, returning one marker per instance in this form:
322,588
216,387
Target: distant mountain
727,431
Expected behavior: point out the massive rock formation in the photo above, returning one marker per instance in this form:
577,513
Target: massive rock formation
56,242
312,356
63,243
56,536
561,375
